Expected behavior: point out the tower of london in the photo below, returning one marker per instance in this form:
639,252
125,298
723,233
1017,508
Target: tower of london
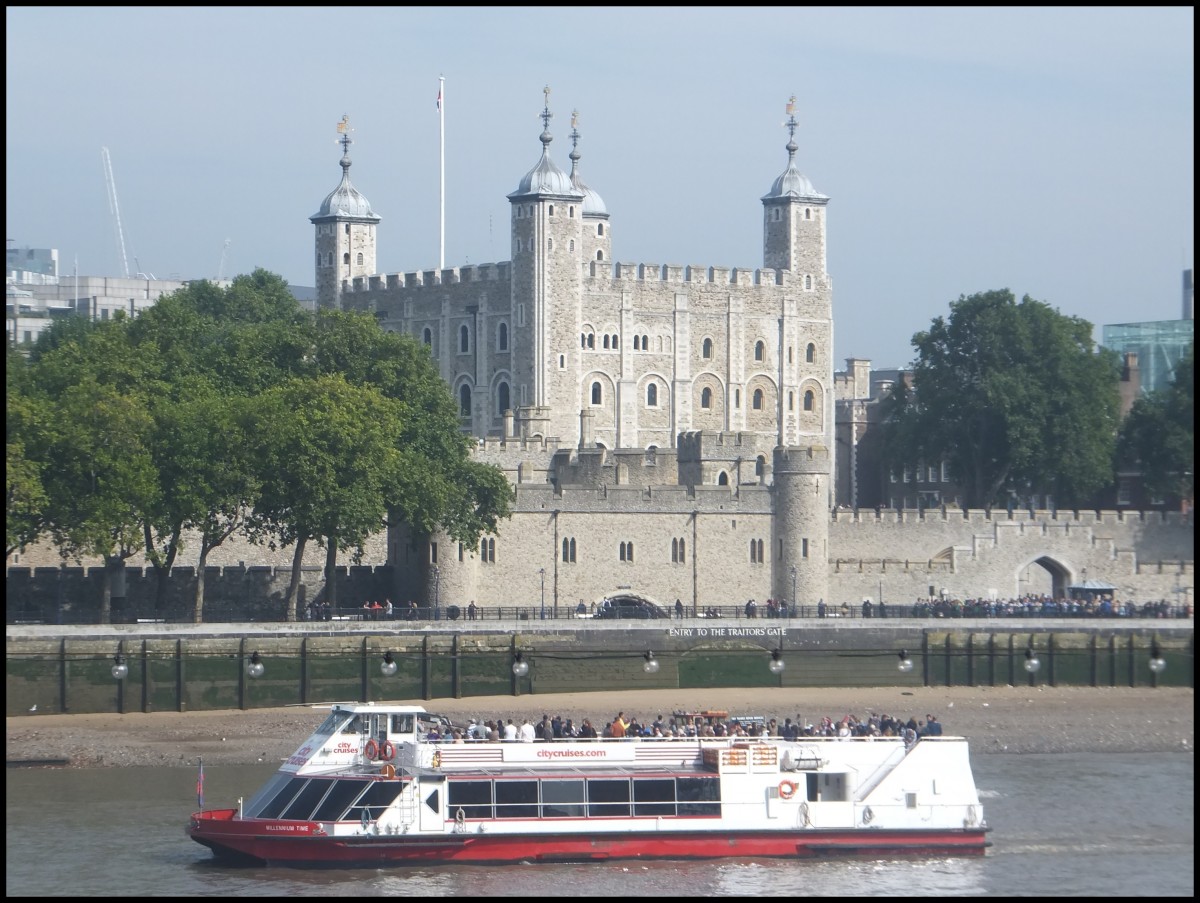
669,428
666,427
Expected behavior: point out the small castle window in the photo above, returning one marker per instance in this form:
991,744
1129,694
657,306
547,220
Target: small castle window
706,350
807,213
809,400
760,351
347,228
758,400
502,337
572,245
597,395
599,255
552,210
791,400
606,341
723,479
571,211
810,353
651,396
427,336
808,283
464,401
346,258
600,230
706,398
549,244
502,399
360,258
464,339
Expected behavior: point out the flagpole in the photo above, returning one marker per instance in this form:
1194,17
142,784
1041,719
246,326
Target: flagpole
442,173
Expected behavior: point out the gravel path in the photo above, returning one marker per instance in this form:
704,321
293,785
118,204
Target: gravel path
995,719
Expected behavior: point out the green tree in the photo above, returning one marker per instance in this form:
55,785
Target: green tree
1015,398
24,434
1158,435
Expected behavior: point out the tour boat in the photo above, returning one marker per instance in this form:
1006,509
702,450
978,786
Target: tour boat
378,785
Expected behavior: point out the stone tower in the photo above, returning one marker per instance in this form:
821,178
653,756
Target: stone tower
345,237
801,523
547,288
794,221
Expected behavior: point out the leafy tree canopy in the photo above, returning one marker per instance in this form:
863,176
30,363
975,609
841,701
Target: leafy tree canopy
1014,396
1158,436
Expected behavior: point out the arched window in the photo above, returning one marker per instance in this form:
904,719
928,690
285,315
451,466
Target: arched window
502,337
549,244
502,400
616,342
360,258
760,466
464,401
599,255
591,340
568,551
722,479
807,213
600,231
552,210
645,343
757,401
346,258
427,336
637,343
652,396
572,245
706,350
760,351
808,282
809,400
810,353
464,339
627,551
571,211
753,552
597,397
706,397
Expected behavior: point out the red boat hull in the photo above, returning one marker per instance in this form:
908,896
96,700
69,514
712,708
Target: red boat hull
300,844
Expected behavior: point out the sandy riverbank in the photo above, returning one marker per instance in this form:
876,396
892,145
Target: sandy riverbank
995,719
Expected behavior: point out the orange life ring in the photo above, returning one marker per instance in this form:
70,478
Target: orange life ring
387,751
787,789
372,750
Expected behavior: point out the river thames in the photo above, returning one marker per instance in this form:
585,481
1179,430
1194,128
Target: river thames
1093,824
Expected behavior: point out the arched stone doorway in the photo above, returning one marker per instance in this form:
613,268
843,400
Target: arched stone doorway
1043,576
629,606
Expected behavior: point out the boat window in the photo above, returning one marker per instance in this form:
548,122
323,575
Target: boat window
276,804
698,796
473,797
608,797
269,792
516,799
563,799
354,725
334,806
330,724
307,800
379,795
402,724
654,796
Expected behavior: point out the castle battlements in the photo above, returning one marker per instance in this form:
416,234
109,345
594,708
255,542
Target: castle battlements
483,272
673,273
1045,519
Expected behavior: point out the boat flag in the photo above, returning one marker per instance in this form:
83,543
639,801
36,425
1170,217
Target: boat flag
200,785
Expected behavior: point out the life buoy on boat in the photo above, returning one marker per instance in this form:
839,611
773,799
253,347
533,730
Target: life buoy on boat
372,750
387,751
787,789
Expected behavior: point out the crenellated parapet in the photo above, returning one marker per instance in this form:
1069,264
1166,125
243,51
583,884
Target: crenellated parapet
641,273
478,273
1046,518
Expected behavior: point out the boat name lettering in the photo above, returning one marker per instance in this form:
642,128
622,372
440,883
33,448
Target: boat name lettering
727,631
345,747
572,753
289,829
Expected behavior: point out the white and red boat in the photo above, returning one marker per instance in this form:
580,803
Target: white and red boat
370,788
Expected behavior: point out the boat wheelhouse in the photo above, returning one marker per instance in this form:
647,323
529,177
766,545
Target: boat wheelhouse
380,784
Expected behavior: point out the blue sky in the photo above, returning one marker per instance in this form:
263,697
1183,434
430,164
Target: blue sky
1048,151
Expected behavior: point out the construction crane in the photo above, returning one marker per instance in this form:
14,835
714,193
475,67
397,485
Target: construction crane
113,208
221,268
